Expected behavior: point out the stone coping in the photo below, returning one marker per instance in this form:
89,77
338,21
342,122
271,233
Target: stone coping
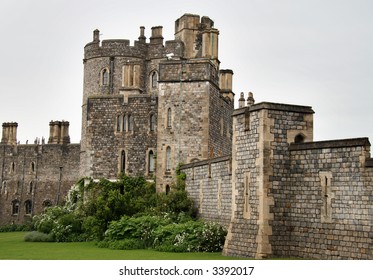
206,162
275,106
342,143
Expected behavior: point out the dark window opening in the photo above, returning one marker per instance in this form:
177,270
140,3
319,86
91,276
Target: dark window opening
299,138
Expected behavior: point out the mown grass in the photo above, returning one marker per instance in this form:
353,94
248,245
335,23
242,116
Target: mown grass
13,247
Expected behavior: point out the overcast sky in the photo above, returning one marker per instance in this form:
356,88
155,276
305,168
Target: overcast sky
317,53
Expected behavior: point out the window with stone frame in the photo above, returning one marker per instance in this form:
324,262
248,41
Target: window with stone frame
151,162
123,162
168,159
13,168
119,123
130,123
169,117
15,207
28,207
4,188
104,77
131,75
154,79
31,188
32,167
124,123
152,122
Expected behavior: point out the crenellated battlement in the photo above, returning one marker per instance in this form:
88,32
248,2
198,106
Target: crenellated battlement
141,49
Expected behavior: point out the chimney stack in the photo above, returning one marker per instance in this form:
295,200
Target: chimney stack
9,136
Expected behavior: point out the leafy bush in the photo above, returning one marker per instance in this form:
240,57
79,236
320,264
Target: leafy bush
192,236
15,227
36,236
129,214
164,235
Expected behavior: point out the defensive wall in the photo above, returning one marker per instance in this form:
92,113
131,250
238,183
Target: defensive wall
307,199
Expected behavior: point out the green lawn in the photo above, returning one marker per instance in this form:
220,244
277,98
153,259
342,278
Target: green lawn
12,247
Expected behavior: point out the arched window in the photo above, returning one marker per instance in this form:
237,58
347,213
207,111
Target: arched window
168,189
119,120
105,77
31,187
299,138
168,159
169,119
4,187
152,122
15,207
13,167
151,162
154,79
130,123
123,162
124,128
32,167
28,207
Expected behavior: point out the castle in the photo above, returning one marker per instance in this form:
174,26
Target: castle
148,107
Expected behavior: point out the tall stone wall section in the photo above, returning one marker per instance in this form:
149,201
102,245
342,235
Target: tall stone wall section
325,210
106,139
38,174
209,185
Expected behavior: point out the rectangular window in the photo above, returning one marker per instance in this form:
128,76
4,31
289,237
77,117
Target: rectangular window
131,75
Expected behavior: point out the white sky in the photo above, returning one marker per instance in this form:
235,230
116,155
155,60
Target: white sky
317,53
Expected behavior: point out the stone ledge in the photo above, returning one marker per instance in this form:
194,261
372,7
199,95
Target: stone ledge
276,107
342,143
206,162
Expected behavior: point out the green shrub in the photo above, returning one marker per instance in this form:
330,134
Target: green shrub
36,236
192,236
15,227
141,228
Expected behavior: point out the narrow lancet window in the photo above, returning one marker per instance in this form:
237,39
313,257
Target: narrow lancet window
169,119
152,122
151,162
105,77
123,162
168,159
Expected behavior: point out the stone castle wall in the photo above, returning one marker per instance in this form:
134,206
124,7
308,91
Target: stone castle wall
209,185
308,200
39,174
325,210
